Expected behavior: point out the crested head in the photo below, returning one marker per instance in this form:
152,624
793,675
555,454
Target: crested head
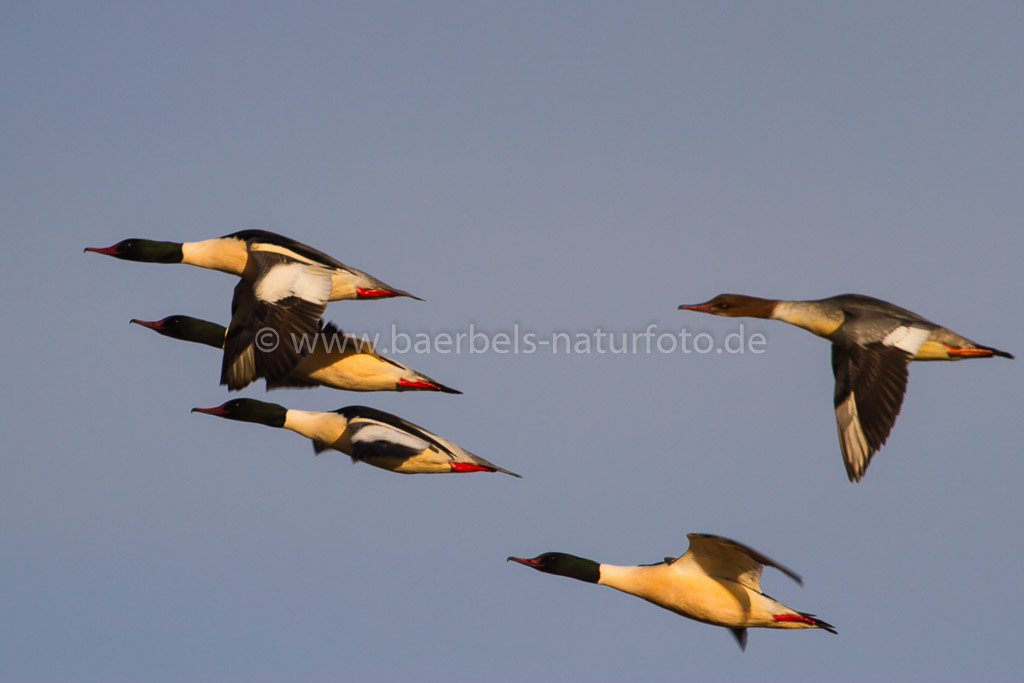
249,410
563,564
187,328
734,306
147,251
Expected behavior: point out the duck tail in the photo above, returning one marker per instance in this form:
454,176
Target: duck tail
805,620
956,353
820,623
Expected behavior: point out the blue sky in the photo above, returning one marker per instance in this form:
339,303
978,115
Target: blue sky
564,168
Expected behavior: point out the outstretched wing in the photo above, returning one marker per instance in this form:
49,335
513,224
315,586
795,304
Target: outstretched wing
270,318
372,439
870,384
724,558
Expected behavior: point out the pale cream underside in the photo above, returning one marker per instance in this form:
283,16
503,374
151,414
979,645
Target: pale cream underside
343,286
429,461
933,350
698,596
350,370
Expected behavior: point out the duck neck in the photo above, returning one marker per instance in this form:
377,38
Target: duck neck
814,316
619,577
261,412
226,254
756,307
323,428
579,568
205,332
156,251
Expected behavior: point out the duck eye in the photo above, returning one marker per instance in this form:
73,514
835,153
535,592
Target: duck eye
723,306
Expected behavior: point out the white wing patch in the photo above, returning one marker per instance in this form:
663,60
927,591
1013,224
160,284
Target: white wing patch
369,433
284,280
907,338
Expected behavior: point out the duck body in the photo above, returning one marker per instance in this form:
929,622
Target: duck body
700,597
338,360
873,341
717,582
365,434
358,367
855,320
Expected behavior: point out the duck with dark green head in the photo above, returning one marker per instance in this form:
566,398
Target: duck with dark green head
231,254
366,434
187,328
716,581
146,251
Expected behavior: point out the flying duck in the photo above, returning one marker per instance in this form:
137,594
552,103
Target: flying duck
338,360
873,341
285,286
716,581
232,254
366,434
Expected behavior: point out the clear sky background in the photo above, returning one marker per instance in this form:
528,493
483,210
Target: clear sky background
566,167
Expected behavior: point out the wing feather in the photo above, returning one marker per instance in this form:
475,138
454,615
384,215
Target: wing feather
370,439
723,558
870,384
270,317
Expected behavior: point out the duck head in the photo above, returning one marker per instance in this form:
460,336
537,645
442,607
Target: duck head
187,328
563,564
734,306
249,410
147,251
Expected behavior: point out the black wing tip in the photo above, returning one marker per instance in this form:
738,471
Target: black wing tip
399,293
821,623
386,291
421,383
